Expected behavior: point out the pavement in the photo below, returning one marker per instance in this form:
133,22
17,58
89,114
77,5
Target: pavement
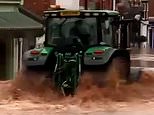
142,58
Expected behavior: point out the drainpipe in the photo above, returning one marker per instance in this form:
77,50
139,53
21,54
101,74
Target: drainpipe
15,56
86,4
20,53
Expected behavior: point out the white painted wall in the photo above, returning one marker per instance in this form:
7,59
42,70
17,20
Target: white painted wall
144,27
68,4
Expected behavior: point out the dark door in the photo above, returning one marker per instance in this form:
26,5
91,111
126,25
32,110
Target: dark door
2,60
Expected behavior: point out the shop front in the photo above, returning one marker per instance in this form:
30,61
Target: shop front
18,33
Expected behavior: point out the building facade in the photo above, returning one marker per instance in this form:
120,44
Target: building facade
17,32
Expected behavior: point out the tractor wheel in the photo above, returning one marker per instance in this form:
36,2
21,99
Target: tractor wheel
119,70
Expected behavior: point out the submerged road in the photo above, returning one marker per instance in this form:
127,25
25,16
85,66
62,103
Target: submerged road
143,58
34,109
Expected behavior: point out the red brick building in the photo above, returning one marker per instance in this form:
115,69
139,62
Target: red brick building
38,6
151,21
100,4
151,11
105,4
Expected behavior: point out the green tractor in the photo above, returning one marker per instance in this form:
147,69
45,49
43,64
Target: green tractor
78,41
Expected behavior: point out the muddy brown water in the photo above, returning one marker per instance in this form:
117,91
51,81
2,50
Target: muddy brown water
92,88
39,90
35,95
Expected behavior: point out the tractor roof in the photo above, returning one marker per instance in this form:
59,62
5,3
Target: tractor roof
67,13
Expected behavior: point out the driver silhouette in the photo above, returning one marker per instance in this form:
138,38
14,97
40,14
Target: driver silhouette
81,30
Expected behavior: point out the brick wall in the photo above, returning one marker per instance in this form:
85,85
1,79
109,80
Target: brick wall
107,4
38,6
103,4
151,10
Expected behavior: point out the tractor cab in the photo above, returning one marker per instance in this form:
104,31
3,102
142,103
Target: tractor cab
91,27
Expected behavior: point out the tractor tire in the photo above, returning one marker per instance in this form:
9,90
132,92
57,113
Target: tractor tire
119,70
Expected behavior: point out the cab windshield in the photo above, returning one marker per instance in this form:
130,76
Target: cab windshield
62,30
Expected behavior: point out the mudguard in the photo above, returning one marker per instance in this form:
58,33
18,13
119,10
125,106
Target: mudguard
37,57
102,54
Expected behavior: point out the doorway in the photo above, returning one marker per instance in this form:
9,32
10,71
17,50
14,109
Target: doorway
2,60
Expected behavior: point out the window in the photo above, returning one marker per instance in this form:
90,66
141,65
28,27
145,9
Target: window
107,32
62,30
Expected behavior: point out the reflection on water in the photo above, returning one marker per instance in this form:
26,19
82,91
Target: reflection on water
142,51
